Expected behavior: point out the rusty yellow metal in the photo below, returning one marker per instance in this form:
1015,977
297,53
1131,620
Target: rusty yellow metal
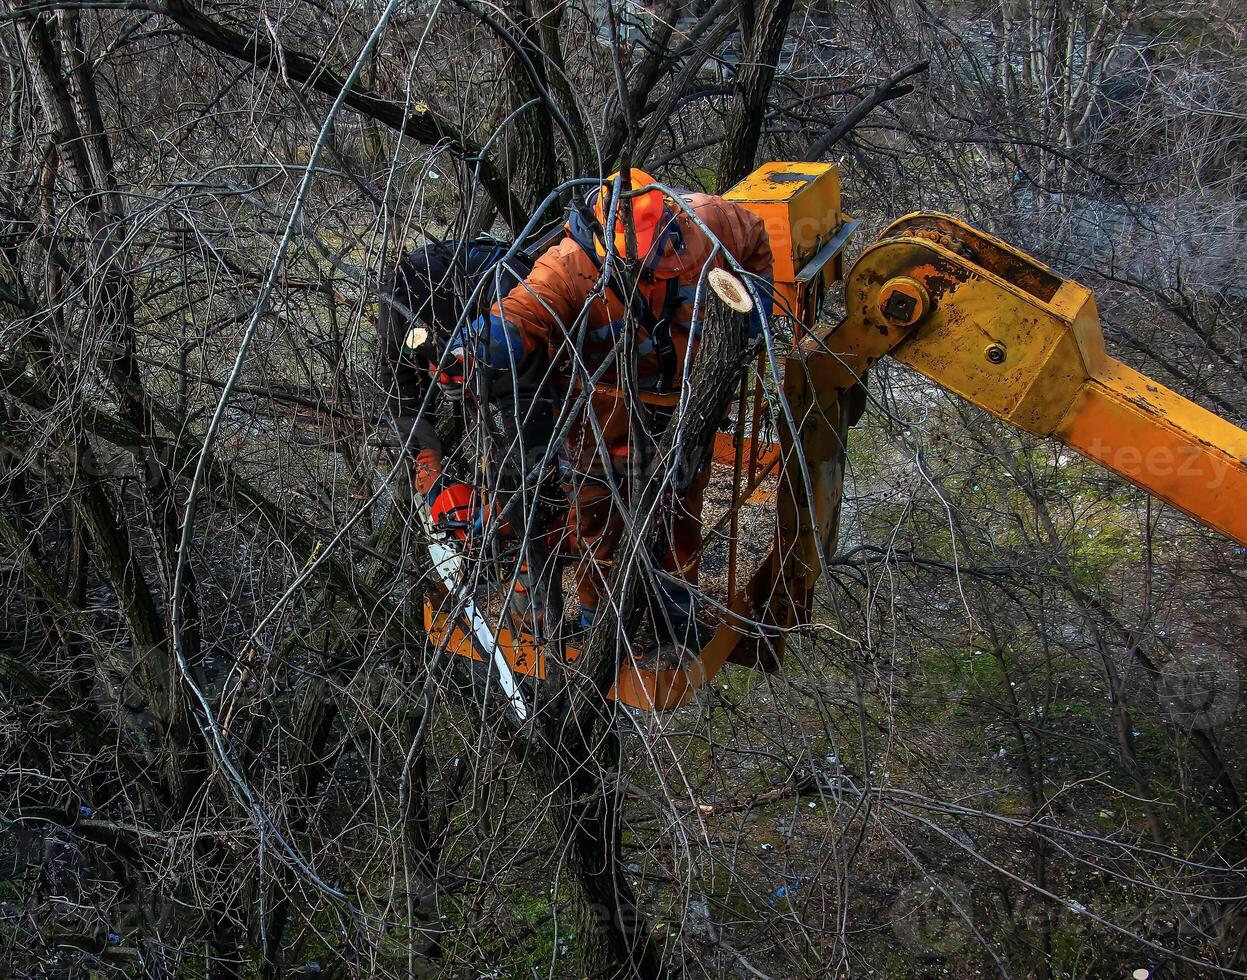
800,205
1009,335
903,301
1164,443
809,495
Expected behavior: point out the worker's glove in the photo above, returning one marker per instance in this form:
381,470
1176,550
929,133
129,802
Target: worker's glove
450,375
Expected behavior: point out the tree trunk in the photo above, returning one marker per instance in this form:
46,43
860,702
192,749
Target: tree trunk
583,763
753,84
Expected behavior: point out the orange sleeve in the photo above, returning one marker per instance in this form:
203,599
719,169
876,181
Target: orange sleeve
548,302
741,231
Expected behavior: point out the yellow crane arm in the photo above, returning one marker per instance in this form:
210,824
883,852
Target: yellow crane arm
1005,332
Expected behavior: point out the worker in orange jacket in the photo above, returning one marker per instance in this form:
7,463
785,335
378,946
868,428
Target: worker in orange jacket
560,310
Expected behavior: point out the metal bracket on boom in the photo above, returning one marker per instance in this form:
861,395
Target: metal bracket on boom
1003,331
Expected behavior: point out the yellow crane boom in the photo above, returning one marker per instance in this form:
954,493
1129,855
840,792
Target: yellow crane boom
1003,331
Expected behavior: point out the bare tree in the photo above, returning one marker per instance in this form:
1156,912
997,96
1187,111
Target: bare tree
1008,742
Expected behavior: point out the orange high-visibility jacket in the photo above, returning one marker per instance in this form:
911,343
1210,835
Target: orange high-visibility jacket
545,309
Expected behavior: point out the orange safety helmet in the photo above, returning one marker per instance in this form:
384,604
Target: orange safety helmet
648,210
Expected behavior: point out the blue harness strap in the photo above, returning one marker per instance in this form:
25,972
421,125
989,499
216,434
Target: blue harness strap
584,232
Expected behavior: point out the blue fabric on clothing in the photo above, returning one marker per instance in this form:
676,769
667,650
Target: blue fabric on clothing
490,339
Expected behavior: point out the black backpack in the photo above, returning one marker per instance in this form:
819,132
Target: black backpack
436,283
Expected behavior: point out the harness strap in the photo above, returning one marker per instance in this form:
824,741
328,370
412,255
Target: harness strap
657,327
660,332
